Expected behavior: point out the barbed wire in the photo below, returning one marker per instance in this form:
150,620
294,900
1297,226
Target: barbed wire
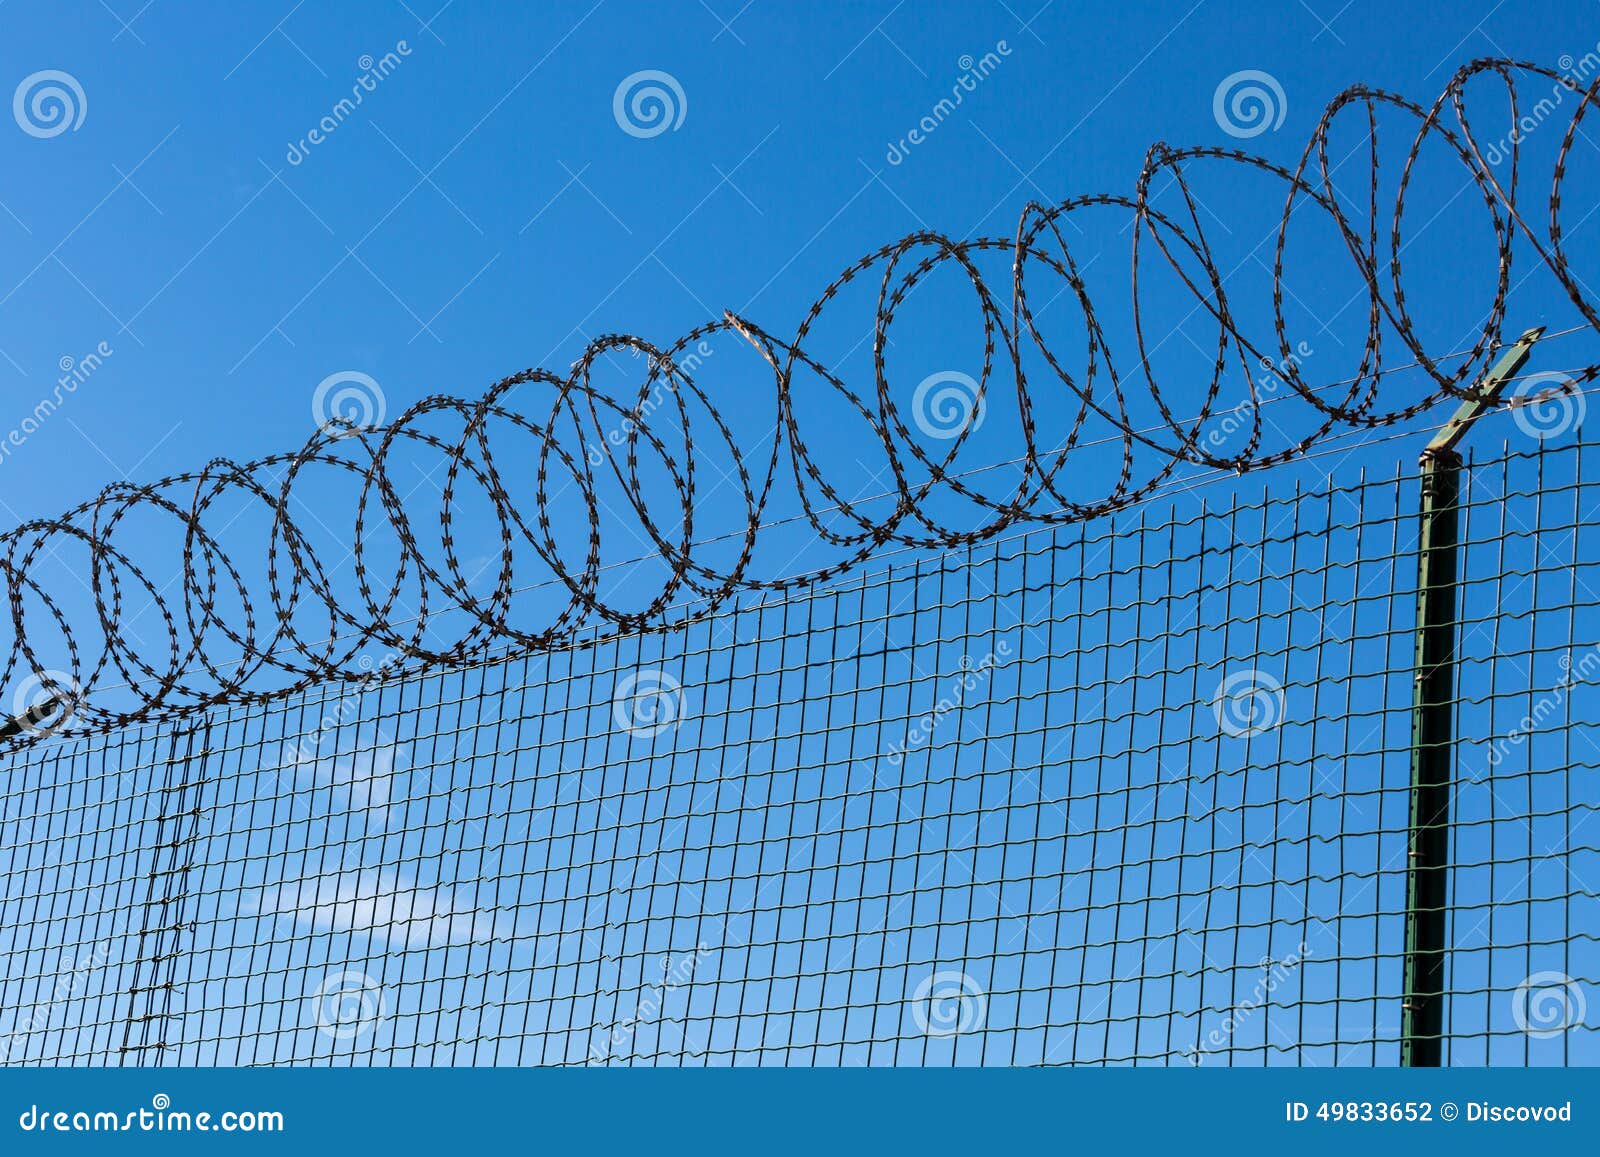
227,638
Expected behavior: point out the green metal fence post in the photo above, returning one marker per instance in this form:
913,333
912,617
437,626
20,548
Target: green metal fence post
1432,720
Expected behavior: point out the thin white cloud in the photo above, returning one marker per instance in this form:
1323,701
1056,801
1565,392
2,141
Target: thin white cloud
381,903
365,777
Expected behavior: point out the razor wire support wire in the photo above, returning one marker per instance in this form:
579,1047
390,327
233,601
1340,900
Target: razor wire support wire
222,638
1433,729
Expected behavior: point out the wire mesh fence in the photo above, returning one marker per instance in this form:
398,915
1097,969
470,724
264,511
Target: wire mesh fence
1129,791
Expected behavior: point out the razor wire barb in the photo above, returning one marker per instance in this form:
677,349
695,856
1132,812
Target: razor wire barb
221,630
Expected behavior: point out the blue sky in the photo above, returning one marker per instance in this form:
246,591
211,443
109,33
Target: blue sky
484,210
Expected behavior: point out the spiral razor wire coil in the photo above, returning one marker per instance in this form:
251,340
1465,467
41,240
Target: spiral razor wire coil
218,633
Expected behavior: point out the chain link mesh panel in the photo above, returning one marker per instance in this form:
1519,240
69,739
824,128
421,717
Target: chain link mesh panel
1133,790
